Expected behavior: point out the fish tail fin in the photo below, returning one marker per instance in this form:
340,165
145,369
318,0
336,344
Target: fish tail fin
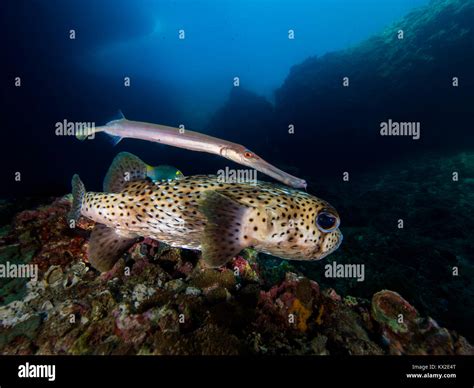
78,193
81,136
87,132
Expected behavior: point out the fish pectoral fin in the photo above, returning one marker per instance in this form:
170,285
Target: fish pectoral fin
125,168
223,237
106,246
114,140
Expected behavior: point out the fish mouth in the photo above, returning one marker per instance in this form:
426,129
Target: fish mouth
334,248
280,175
341,237
236,153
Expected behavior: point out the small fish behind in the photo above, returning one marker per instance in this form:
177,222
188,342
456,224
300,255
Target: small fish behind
163,172
200,212
132,168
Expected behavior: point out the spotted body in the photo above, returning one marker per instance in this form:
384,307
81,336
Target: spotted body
204,213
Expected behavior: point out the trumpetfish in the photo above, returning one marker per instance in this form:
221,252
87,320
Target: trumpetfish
203,213
194,141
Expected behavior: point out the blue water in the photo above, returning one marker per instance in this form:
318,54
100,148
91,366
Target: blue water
227,39
223,39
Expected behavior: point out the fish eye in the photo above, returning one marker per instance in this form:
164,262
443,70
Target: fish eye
248,154
326,221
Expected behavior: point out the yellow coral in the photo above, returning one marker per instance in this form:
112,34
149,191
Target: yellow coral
319,320
302,313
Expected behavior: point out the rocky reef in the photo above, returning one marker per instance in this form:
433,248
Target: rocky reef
416,70
406,73
160,300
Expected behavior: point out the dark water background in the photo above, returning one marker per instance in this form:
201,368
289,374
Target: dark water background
282,82
172,81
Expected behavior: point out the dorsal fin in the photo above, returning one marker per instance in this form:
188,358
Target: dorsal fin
125,168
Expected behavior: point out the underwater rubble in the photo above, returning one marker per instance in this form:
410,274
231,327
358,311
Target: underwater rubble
159,300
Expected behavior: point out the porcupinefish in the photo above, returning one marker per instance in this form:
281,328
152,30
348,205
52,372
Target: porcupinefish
203,213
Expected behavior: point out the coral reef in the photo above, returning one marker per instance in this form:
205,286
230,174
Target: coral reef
160,300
